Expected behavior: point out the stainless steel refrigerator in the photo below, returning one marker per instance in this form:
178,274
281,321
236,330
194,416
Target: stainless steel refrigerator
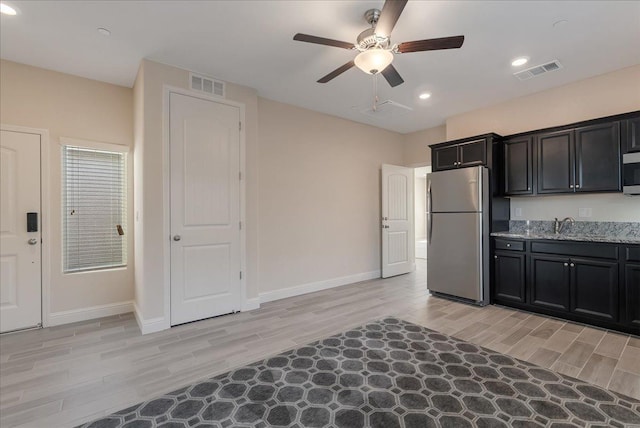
458,204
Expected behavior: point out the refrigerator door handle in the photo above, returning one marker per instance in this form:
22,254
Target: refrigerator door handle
429,215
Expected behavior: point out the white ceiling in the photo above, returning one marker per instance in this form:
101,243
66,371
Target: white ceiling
250,43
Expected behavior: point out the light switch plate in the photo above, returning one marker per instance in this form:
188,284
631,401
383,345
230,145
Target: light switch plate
584,212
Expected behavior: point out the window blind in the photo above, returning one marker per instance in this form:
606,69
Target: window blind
94,209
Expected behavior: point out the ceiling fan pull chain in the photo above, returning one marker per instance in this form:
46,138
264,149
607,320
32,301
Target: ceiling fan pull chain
375,92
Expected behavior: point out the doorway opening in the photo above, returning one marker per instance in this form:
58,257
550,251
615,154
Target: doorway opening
421,213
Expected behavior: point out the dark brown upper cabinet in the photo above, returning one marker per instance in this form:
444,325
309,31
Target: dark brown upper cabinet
460,155
518,166
633,134
556,153
598,158
585,159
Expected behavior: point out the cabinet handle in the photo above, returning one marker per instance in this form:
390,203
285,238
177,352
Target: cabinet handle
572,265
571,186
577,186
566,264
528,188
495,257
508,245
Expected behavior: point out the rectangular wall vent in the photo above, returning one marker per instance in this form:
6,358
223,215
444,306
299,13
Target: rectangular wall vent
538,70
207,85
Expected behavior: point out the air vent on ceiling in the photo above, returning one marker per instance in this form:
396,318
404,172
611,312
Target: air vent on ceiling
386,109
538,70
207,85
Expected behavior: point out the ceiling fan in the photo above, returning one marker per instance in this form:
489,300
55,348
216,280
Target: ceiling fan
374,44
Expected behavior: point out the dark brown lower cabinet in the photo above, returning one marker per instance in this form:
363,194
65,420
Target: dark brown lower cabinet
550,282
632,295
509,276
594,283
594,288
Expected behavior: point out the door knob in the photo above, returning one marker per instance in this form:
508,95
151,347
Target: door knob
32,241
176,237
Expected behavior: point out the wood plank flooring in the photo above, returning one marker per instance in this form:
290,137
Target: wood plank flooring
66,375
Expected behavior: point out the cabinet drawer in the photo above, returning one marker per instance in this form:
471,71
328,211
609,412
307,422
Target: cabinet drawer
632,254
509,244
601,251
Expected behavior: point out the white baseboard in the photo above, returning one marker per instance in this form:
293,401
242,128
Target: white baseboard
250,304
84,314
151,325
311,287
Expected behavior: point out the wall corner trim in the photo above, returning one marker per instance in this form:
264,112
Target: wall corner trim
152,325
92,312
312,287
250,304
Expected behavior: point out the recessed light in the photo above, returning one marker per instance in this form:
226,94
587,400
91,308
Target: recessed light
424,95
519,61
5,9
104,31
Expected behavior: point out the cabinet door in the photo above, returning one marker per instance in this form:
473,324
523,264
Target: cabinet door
632,294
555,162
550,282
594,288
633,134
445,157
509,276
598,158
473,153
518,166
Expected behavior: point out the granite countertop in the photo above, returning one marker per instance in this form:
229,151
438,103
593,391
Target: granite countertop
569,237
585,231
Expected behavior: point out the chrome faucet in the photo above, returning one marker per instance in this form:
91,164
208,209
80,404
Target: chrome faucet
559,225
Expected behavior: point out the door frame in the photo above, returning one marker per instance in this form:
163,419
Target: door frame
45,206
166,184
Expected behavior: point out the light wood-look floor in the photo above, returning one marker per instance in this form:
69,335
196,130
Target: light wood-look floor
63,376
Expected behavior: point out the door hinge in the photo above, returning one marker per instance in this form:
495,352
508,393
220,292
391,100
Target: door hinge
240,274
239,126
240,175
240,225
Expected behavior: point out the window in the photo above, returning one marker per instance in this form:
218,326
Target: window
94,208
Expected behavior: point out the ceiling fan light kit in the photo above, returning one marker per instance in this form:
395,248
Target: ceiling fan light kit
373,61
374,44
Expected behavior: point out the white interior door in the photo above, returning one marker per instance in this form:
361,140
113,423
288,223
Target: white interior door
20,250
398,242
205,208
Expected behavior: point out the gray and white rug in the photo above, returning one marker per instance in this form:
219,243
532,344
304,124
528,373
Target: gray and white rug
388,373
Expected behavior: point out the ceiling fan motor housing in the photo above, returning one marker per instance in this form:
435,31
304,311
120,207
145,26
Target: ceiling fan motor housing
369,39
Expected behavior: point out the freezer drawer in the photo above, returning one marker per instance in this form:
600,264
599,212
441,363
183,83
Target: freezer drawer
455,254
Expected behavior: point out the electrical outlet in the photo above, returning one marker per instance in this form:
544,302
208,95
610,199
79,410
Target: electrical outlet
518,212
584,212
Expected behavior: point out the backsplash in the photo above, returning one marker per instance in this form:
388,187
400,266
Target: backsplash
604,228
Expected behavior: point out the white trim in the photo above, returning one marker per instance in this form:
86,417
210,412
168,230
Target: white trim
166,183
312,287
152,325
45,210
250,304
93,312
95,145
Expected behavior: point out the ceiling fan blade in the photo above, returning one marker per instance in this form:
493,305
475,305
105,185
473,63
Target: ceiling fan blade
322,41
389,16
431,44
392,76
338,71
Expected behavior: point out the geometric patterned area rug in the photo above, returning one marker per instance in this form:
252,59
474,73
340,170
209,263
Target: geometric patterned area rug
389,373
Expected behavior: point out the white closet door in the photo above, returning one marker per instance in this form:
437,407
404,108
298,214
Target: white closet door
205,208
398,241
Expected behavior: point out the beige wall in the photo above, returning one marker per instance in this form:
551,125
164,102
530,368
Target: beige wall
605,95
149,209
319,195
416,145
70,106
